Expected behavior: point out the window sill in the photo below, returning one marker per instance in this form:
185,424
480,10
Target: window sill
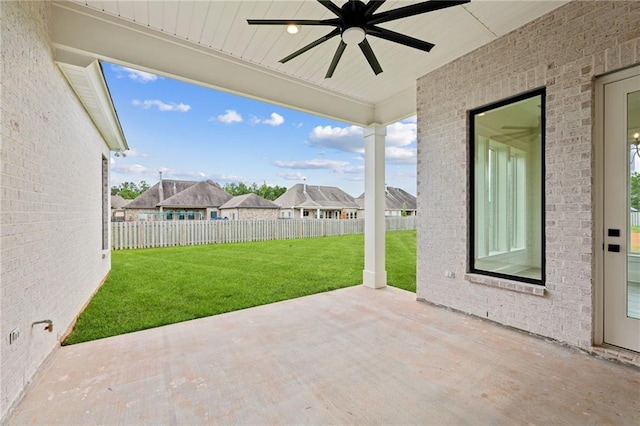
510,285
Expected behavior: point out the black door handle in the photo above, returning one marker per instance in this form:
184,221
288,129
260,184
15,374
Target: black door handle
614,248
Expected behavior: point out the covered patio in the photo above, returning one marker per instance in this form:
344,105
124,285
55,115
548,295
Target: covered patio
352,356
349,356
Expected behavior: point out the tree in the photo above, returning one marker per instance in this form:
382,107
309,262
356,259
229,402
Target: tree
264,190
634,191
129,190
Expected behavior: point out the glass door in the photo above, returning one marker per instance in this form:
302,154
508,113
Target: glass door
622,213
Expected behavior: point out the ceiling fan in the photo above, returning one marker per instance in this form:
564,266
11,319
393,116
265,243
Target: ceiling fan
528,133
356,20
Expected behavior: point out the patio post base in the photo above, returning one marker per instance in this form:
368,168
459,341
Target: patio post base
374,279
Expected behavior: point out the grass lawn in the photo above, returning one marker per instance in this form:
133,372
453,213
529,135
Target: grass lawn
153,287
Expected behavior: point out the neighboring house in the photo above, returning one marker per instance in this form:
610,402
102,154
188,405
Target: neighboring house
398,202
178,200
316,202
117,211
147,203
249,207
200,201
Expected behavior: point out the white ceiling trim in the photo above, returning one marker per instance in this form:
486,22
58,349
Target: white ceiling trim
82,34
89,85
208,43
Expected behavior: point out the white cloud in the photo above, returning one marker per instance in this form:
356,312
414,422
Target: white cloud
314,164
135,75
400,134
162,106
275,120
347,139
228,178
403,174
182,174
400,140
297,176
229,117
151,173
352,170
400,155
132,152
137,169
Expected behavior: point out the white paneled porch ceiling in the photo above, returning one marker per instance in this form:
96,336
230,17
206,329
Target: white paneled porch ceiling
219,30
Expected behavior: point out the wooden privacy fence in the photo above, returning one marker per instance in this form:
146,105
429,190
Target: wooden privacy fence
132,235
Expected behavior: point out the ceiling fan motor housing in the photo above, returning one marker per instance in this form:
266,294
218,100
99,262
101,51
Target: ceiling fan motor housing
353,22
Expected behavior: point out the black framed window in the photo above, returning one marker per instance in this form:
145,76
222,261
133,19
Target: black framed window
507,181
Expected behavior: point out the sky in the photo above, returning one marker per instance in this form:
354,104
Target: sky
194,133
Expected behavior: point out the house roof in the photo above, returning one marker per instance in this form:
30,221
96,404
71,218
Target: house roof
150,198
313,196
398,199
117,202
249,201
203,194
395,199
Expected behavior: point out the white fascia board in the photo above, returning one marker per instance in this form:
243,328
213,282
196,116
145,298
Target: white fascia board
78,30
397,107
91,89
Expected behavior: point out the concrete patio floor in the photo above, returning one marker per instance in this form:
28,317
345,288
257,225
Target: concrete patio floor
352,356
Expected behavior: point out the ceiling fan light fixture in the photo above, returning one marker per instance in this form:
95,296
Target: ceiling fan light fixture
353,35
293,29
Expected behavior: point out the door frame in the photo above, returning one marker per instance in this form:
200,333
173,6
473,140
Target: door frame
598,237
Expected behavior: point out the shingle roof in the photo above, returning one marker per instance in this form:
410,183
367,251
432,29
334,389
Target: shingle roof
202,194
398,199
249,201
117,202
150,198
313,196
395,199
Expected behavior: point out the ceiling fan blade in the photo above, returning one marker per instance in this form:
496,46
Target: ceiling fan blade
311,45
414,9
399,38
372,6
336,59
327,22
332,7
371,58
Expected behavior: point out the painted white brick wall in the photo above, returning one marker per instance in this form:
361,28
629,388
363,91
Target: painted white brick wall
51,258
563,51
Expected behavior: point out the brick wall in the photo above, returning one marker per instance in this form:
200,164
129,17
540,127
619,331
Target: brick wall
51,258
562,51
